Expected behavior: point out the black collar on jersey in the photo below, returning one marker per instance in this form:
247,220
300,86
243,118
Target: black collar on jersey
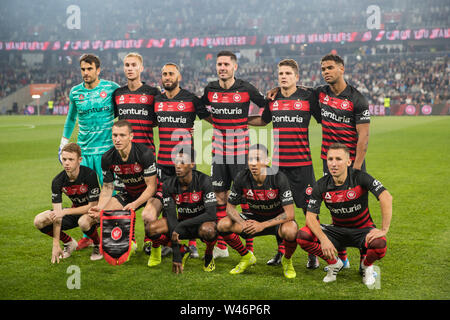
189,187
236,84
331,185
347,93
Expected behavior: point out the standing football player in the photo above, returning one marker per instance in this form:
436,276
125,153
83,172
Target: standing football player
91,102
229,99
290,112
134,102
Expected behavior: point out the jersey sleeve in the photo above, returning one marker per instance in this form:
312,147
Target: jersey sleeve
205,98
314,106
116,111
56,190
71,118
285,194
266,115
370,183
361,109
94,188
209,196
200,108
315,200
256,96
108,176
148,161
235,196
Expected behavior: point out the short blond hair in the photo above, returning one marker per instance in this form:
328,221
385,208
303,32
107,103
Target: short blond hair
134,55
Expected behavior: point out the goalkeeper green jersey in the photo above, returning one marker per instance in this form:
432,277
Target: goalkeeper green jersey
95,111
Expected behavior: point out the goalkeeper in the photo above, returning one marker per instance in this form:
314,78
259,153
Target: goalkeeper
91,102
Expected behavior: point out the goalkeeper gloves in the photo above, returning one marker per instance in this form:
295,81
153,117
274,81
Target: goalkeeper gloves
64,141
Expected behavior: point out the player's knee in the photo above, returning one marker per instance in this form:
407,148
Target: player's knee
379,243
41,220
289,231
85,222
224,225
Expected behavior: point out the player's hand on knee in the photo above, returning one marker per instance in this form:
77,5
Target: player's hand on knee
94,212
328,249
130,206
374,234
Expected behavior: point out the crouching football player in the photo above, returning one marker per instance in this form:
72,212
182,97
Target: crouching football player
345,192
189,212
80,184
270,210
135,165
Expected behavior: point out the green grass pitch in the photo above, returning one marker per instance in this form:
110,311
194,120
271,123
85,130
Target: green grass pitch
409,155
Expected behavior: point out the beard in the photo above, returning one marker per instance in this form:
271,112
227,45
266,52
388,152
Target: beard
171,87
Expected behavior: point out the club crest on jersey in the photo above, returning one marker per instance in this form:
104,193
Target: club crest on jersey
83,188
103,94
116,233
345,105
195,197
237,97
81,97
143,99
137,167
308,191
351,194
181,106
271,194
298,105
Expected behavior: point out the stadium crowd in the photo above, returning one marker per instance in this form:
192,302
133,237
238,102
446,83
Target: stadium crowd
190,18
408,78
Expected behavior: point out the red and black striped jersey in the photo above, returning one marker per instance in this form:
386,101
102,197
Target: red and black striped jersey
175,119
191,206
137,107
140,164
290,117
229,111
83,190
340,115
266,200
348,203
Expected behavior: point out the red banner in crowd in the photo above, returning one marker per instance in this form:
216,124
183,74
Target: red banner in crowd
232,41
